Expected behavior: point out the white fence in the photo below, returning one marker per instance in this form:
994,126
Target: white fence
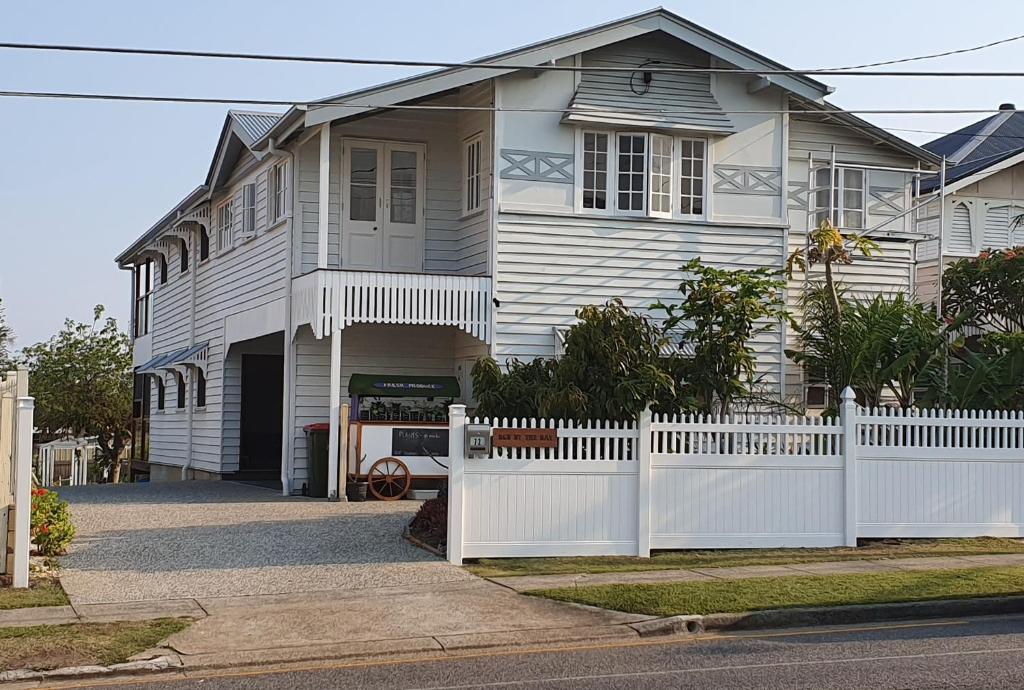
65,462
745,481
16,413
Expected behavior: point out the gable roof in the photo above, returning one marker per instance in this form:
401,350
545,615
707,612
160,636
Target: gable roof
979,148
430,83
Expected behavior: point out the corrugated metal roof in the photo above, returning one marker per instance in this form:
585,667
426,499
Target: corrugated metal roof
978,146
254,124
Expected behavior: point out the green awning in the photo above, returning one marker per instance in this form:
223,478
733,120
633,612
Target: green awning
386,385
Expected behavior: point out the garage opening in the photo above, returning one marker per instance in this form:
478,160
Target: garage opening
258,365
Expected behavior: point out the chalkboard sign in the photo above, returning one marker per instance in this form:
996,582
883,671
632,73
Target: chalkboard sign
406,440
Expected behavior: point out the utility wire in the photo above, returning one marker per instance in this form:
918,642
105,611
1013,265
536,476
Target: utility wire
483,64
933,55
419,106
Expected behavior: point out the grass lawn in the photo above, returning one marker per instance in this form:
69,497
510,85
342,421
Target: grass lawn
724,596
667,560
39,593
56,646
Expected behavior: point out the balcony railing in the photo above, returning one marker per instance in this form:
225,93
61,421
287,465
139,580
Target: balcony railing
332,300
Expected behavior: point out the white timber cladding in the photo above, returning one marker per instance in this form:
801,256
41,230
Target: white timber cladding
455,239
872,196
238,277
367,348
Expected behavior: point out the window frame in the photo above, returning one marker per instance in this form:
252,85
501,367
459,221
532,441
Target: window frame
837,215
182,390
144,283
204,244
164,270
472,175
224,216
248,209
199,379
582,182
161,393
184,256
612,175
277,191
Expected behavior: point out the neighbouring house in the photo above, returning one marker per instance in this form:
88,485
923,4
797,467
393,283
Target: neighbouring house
984,194
410,228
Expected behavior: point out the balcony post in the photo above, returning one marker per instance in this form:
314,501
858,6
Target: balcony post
333,444
324,196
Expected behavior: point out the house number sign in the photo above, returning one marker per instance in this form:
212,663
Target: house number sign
525,438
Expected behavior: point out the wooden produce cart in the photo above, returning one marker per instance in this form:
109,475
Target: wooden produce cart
398,431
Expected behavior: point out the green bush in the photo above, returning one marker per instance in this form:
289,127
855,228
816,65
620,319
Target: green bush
52,530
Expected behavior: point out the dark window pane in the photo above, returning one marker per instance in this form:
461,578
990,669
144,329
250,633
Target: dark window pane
600,201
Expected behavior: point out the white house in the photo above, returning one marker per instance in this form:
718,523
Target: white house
410,228
983,195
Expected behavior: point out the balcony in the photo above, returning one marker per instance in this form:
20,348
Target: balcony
331,300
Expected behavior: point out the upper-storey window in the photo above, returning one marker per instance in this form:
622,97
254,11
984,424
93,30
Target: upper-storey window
845,196
279,191
224,226
249,209
179,379
183,259
200,382
473,165
163,269
643,174
143,296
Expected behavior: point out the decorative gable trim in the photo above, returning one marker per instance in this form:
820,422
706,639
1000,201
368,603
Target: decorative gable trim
537,166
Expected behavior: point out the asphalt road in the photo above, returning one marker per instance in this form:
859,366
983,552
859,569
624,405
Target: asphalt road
981,653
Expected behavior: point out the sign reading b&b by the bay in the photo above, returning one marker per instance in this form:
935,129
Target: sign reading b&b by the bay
525,438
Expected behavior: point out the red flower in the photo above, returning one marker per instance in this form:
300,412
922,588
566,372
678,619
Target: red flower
984,255
45,529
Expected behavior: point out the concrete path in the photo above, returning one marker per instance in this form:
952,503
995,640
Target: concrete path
181,540
526,583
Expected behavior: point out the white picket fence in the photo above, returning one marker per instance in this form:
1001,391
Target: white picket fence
65,462
744,481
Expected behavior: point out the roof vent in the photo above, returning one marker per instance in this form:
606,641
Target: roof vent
1007,106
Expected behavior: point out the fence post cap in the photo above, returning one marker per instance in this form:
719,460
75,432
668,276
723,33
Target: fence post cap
848,395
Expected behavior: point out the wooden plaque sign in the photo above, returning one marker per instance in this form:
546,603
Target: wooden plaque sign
525,438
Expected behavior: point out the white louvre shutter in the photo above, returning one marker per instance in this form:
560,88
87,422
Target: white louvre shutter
997,228
960,239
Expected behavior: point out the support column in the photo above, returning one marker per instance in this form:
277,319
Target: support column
333,441
24,412
456,473
848,418
324,197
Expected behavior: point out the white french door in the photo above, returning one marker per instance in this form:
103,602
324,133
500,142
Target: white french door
382,217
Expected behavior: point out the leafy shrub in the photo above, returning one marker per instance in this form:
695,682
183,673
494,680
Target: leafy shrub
51,526
989,289
430,524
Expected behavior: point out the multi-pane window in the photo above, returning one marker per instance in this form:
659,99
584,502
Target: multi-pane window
595,170
143,296
661,175
632,172
691,176
644,174
249,209
224,218
279,191
845,197
403,187
474,164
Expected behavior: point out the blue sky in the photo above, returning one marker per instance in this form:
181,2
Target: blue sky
81,180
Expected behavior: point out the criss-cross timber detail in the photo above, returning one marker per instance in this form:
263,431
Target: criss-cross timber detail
798,195
742,179
885,201
537,166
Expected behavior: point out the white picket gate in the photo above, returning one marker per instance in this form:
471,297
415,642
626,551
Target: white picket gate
744,481
65,462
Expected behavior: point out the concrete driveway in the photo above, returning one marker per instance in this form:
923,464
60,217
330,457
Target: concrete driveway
139,542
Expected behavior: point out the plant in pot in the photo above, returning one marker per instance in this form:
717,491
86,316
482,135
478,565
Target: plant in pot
355,490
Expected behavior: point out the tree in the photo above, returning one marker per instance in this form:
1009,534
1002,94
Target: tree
720,313
81,380
988,290
829,247
613,366
6,336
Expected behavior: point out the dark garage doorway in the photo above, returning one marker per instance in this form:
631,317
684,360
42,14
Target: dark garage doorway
262,392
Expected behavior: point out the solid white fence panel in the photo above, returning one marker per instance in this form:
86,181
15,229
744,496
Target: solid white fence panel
745,481
940,473
576,499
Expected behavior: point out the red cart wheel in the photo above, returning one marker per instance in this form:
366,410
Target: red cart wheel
389,479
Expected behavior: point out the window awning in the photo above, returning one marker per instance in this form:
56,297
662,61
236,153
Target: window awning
195,354
391,386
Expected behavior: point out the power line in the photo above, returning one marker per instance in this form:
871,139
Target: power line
947,53
835,71
420,106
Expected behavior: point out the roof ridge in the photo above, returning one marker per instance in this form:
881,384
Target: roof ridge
975,141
